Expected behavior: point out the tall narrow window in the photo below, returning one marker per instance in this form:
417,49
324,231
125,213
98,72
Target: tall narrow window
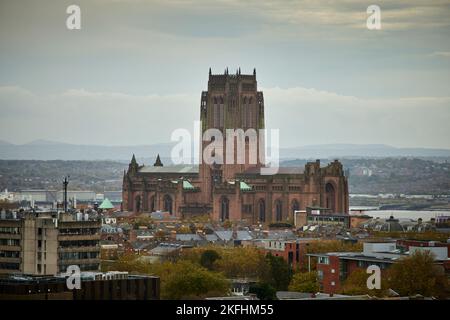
137,204
152,204
168,203
224,209
262,210
278,210
330,197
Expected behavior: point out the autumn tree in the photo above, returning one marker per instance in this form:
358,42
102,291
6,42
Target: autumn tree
418,274
242,262
142,221
304,282
356,284
178,280
129,262
187,280
184,229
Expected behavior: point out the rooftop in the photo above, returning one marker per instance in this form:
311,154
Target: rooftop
182,168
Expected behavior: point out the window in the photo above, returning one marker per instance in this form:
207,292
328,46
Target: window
262,210
278,210
168,205
10,230
224,209
320,274
9,254
9,266
290,257
324,260
9,242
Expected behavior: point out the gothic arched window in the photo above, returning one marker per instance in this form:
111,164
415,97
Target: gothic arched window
167,203
262,210
330,197
295,206
152,204
137,204
278,210
224,209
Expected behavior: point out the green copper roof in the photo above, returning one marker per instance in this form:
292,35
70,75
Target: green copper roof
187,185
106,204
244,186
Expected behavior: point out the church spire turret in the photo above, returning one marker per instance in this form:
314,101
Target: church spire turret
133,166
158,162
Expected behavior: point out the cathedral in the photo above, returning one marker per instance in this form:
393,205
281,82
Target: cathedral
236,191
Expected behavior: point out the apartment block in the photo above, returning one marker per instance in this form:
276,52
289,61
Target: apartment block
46,243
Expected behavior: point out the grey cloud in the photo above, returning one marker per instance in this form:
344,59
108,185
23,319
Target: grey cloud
304,116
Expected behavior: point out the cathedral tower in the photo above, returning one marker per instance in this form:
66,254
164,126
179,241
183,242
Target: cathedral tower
231,102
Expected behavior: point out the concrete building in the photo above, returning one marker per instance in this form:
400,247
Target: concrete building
94,286
47,243
321,216
292,251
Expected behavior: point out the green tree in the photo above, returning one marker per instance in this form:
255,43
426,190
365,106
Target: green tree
304,282
280,272
417,274
263,291
208,258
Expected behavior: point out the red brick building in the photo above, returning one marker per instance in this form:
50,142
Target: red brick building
333,268
233,191
292,251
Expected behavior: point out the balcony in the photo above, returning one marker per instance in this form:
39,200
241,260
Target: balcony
10,236
10,260
78,261
74,237
10,248
79,248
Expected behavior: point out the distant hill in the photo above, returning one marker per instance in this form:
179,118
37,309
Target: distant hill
359,150
51,150
4,143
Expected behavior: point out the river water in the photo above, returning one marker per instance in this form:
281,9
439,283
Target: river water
406,214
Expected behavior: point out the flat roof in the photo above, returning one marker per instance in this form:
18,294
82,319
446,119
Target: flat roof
182,168
281,170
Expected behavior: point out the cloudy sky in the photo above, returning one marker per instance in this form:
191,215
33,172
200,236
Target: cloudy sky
135,70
